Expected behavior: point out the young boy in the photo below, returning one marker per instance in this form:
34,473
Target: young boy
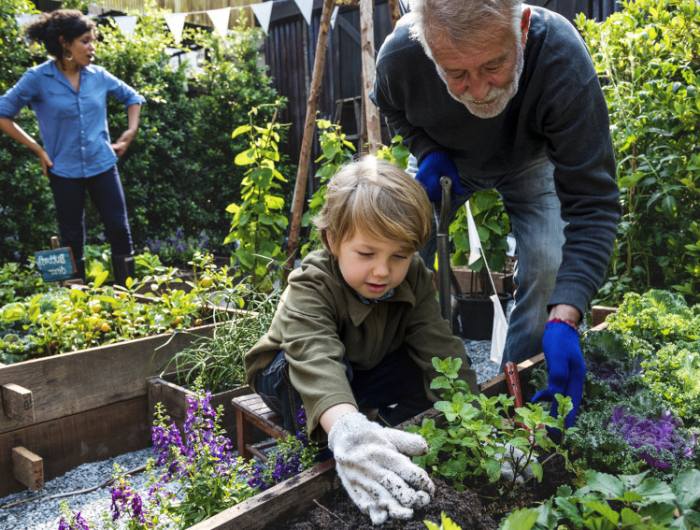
357,328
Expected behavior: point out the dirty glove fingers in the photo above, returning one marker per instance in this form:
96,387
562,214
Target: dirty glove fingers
382,483
363,500
407,443
394,464
374,498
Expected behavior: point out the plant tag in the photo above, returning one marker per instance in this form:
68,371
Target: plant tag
498,333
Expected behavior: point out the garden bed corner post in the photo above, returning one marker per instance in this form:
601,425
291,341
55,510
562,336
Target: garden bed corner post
309,125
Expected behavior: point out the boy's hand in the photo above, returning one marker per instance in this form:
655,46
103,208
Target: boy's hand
371,462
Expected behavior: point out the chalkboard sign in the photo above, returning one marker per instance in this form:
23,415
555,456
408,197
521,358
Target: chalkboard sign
55,265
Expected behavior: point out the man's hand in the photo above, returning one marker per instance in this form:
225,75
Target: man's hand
434,166
371,462
566,367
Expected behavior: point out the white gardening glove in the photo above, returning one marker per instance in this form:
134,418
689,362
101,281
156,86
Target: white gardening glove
380,480
507,471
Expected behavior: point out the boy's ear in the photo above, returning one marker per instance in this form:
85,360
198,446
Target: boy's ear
329,238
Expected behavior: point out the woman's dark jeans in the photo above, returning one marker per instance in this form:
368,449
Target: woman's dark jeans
107,195
394,386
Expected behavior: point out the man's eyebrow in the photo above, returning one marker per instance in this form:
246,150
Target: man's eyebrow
497,60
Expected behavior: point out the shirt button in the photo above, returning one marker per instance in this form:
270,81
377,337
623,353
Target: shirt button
83,148
81,115
82,132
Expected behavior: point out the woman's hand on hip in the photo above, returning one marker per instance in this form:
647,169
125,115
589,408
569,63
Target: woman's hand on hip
122,144
46,162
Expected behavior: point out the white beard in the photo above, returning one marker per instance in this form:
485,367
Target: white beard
497,98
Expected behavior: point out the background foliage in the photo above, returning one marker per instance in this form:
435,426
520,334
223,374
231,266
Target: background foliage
648,57
179,172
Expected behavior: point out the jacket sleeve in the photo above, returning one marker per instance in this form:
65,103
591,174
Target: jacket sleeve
428,335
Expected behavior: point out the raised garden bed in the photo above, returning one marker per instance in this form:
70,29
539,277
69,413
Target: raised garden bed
291,498
79,407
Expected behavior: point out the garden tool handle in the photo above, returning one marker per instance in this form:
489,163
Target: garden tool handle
446,185
510,370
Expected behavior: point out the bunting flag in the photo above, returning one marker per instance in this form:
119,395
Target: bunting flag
474,241
306,7
127,24
219,18
262,13
176,23
25,19
334,15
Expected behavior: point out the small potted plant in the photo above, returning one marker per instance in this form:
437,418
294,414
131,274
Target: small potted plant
475,306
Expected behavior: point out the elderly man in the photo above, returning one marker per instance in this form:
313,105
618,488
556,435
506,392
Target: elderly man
497,94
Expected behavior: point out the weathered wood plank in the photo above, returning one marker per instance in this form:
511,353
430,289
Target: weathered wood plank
28,468
106,375
287,499
599,313
66,443
17,403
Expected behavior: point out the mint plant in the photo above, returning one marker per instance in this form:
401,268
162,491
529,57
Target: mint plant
479,433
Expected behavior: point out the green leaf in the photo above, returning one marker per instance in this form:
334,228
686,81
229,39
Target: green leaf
608,485
523,519
604,510
685,487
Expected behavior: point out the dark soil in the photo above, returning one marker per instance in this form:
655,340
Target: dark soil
480,507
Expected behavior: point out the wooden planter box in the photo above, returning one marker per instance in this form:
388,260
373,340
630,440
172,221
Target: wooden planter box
163,389
295,496
504,282
79,407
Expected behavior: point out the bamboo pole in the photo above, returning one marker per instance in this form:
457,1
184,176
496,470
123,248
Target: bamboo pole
394,12
309,125
374,133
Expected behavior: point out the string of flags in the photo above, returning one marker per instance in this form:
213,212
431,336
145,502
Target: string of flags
219,17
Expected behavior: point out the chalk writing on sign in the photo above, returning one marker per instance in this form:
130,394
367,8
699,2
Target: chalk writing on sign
55,265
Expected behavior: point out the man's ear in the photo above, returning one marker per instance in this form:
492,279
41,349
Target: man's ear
524,25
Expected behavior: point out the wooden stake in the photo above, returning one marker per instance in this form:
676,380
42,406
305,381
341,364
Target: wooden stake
374,132
28,468
309,125
394,12
17,403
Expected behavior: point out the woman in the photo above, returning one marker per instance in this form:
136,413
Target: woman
69,97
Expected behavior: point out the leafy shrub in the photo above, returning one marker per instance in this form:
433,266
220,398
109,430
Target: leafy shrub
17,281
647,58
179,173
27,215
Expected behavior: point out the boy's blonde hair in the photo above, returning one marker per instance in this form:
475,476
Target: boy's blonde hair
377,198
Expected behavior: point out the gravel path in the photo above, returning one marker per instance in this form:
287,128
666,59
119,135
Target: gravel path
45,514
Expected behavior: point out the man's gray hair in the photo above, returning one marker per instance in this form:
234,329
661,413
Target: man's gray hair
463,22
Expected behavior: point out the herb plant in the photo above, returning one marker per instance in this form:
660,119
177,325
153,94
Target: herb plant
219,360
472,443
258,224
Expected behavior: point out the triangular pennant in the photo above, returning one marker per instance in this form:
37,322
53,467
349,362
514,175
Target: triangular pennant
126,24
306,7
24,19
334,15
176,23
474,241
219,18
499,330
262,13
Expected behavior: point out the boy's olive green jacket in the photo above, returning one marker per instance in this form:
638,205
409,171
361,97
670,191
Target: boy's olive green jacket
320,319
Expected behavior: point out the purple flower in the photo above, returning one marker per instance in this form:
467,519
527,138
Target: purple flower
653,436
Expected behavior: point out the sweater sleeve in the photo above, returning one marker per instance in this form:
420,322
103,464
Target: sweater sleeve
577,129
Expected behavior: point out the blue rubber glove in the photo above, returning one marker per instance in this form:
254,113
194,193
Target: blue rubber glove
434,166
566,368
